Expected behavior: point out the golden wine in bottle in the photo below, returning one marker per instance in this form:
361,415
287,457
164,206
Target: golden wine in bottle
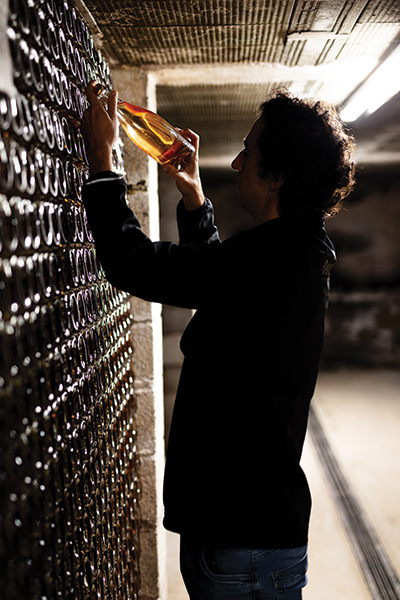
153,134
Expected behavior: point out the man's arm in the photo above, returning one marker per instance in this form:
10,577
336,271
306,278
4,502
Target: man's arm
156,271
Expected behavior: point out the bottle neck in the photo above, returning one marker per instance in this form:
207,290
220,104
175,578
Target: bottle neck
103,94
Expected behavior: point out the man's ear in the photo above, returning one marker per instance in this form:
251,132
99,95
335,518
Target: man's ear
277,182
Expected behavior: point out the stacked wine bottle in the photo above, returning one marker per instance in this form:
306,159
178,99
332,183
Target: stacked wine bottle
68,464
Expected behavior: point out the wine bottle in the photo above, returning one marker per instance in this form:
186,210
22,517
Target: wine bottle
152,133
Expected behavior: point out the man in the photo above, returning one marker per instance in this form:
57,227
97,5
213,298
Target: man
233,486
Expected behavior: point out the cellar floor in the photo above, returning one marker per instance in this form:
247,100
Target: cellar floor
359,412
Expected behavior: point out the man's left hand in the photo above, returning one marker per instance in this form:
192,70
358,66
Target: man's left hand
99,128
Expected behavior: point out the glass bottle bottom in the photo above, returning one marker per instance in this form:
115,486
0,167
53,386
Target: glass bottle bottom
178,156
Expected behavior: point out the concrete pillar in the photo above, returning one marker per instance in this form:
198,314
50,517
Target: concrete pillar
138,87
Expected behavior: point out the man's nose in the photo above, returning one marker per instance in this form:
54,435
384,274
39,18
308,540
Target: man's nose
237,162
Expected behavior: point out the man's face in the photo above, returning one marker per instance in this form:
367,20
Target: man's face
253,190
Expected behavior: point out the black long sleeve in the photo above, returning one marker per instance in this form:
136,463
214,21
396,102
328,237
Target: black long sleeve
157,271
200,272
251,360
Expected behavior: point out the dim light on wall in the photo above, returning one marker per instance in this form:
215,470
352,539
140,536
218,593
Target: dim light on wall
382,85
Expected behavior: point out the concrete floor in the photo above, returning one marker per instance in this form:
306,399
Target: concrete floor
360,414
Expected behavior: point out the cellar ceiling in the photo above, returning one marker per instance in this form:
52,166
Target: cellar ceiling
216,60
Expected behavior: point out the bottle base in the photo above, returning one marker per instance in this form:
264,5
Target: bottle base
178,156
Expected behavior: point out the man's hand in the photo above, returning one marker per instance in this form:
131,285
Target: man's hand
188,181
99,129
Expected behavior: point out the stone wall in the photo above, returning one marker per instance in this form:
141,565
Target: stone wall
363,325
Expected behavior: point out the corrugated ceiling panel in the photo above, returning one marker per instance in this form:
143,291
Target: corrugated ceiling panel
349,15
187,32
183,13
381,11
370,40
202,45
304,14
163,32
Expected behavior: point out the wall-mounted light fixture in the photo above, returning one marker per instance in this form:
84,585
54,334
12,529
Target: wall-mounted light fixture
380,86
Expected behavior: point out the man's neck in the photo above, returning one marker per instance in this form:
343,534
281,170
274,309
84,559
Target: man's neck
270,212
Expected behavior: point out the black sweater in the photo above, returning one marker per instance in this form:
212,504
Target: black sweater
251,355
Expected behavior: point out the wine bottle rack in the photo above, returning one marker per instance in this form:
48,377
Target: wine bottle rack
69,509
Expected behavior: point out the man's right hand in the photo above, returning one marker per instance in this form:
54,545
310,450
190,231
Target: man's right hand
188,181
100,130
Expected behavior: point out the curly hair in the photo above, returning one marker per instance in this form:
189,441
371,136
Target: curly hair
307,145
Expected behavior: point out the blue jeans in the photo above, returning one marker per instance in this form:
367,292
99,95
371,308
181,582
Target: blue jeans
223,573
